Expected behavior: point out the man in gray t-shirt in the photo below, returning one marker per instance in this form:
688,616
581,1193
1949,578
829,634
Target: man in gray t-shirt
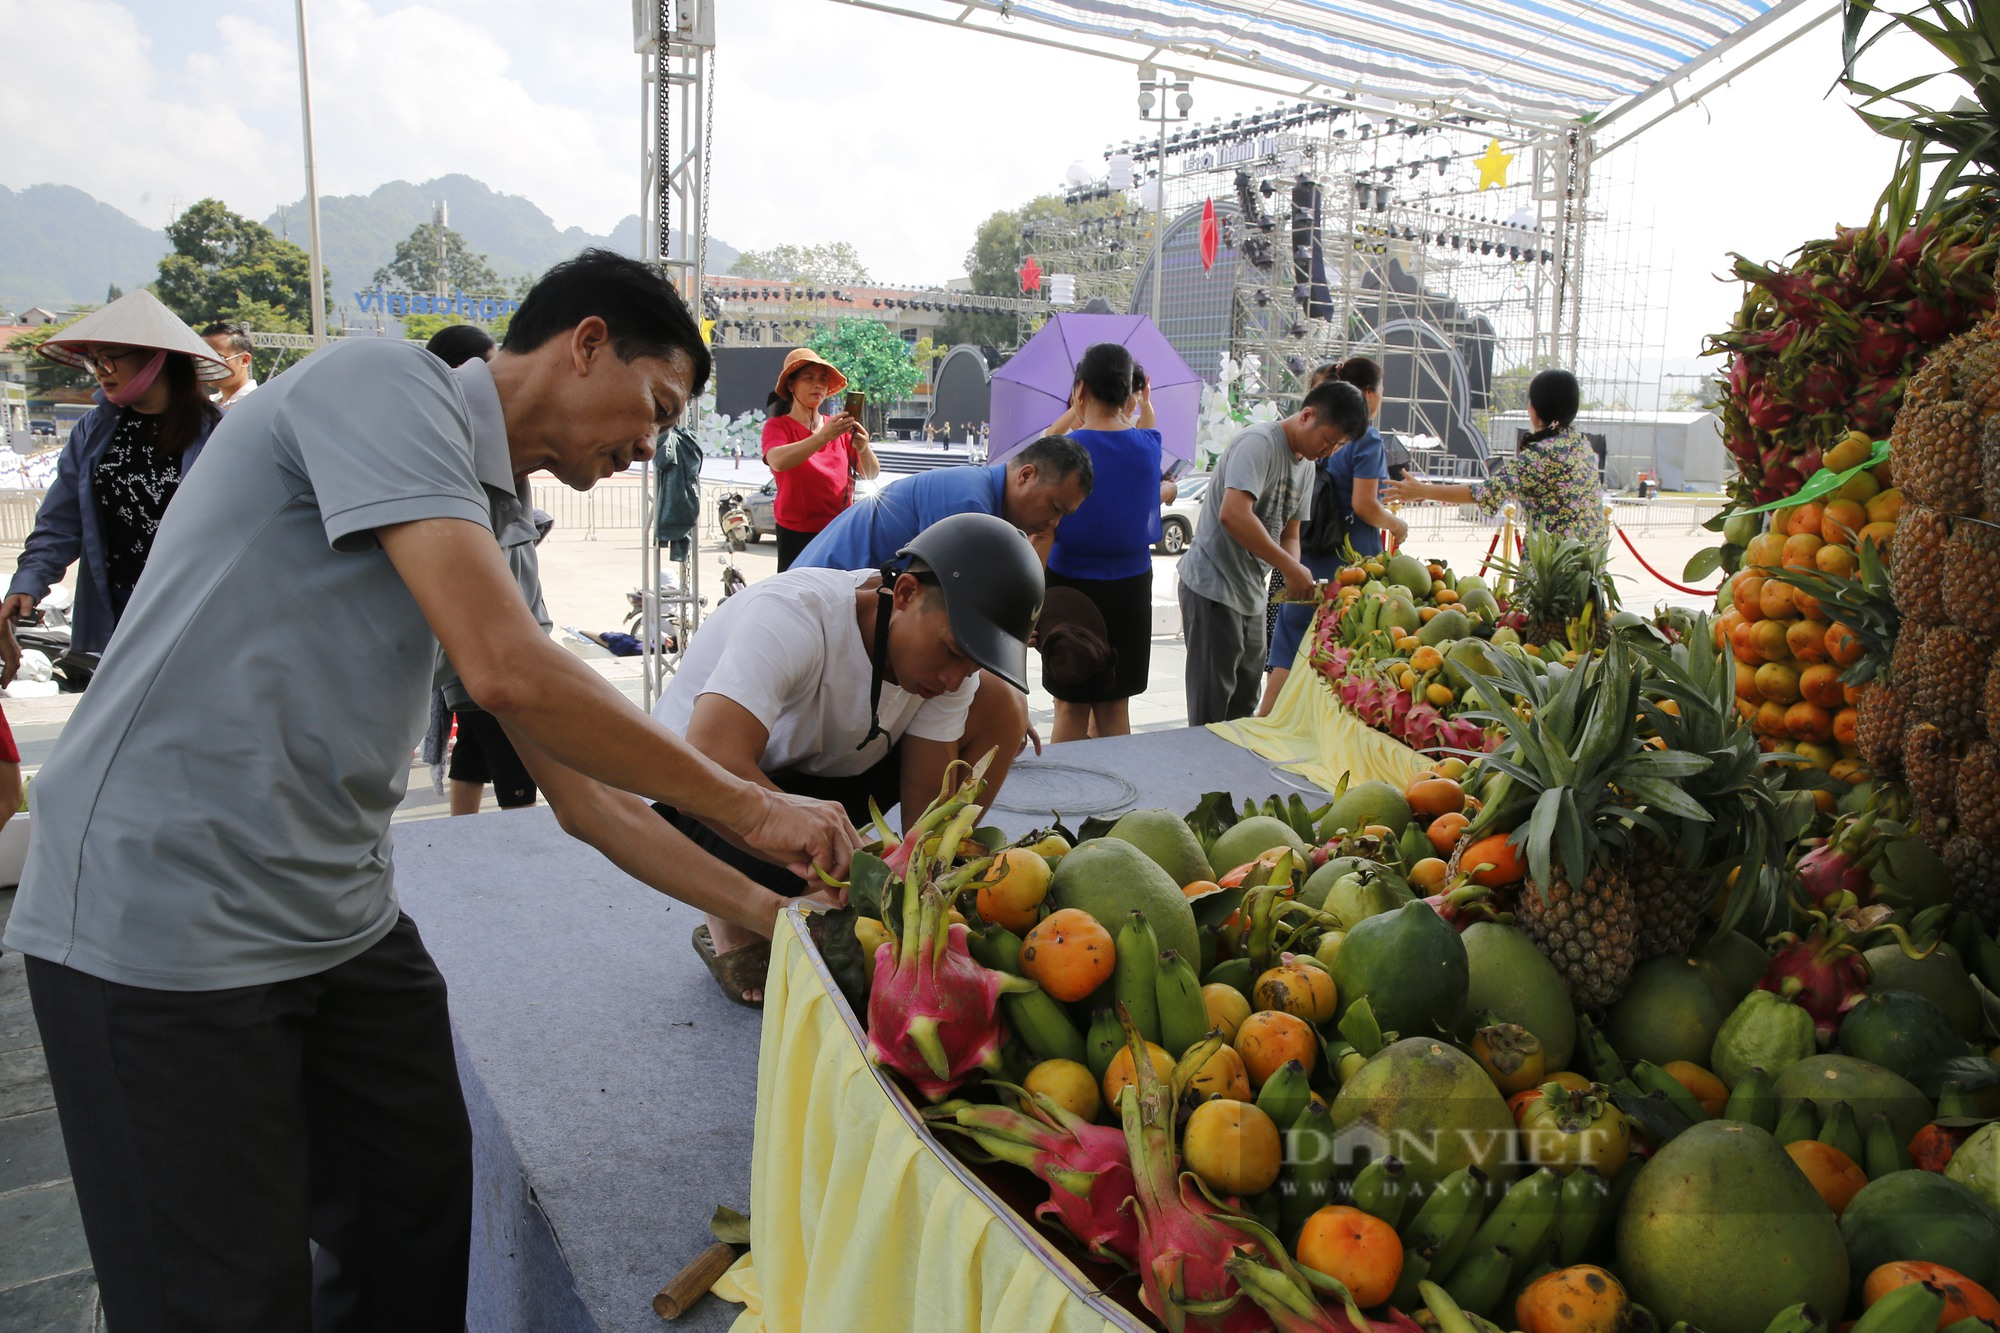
1261,492
248,1043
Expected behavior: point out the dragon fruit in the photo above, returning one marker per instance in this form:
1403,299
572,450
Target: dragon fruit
1287,1300
1826,963
1086,1167
1186,1237
1842,861
933,1015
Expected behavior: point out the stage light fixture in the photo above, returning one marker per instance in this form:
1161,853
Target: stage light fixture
1486,247
1296,364
1298,329
878,303
1513,252
1301,293
1262,297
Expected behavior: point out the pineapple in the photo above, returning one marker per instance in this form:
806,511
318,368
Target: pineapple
1878,730
1989,449
1555,581
1909,650
1580,904
1970,581
1915,563
1974,864
1976,377
1949,685
1938,454
1930,762
1976,794
1993,697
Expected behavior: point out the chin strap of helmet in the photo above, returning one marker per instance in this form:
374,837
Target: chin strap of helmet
885,602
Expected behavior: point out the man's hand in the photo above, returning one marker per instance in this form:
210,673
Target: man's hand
1299,580
797,832
1397,529
1033,738
17,608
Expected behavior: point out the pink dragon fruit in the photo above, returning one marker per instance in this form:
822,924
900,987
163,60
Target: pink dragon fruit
1824,971
1880,347
1841,862
933,1015
1186,1238
1087,1168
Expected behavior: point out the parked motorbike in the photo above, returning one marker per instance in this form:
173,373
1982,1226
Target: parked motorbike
734,520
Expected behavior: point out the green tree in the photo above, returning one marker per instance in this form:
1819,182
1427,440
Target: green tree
43,374
222,261
993,264
112,293
422,328
417,265
875,361
836,262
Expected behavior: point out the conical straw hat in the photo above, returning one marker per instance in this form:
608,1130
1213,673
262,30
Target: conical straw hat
137,319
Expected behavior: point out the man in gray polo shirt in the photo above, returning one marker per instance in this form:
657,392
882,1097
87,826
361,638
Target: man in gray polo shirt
1261,492
248,1042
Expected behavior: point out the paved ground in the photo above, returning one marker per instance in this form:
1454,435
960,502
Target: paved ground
589,563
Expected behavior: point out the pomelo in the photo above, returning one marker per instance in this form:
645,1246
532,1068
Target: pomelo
1938,976
1741,960
1165,836
1447,625
1869,1090
1409,572
1923,1216
1363,804
1513,980
1248,839
1431,1105
1108,877
1723,1231
1671,1011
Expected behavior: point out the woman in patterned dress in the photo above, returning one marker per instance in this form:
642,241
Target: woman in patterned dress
122,463
1554,475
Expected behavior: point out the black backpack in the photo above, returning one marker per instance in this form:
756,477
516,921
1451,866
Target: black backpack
1324,532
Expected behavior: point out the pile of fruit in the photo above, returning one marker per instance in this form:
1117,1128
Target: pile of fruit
1828,341
1400,640
1567,1036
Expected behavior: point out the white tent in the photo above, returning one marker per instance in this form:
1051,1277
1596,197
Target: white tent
1682,450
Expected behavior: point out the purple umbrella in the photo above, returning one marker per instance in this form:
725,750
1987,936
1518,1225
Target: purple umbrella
1033,388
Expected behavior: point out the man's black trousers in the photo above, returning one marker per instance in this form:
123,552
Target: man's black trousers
212,1133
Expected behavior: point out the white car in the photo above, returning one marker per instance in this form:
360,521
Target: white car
1178,520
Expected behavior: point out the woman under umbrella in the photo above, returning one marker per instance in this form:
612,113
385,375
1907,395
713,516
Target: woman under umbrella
123,462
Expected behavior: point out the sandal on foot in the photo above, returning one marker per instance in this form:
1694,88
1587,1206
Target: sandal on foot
738,970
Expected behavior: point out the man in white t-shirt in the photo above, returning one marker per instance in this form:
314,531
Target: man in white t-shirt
851,686
231,342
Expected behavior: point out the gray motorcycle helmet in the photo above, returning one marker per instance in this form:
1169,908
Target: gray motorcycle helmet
991,578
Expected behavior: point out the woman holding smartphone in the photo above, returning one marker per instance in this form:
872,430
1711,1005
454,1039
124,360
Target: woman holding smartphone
814,459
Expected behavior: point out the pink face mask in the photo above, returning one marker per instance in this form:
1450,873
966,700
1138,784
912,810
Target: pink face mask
133,389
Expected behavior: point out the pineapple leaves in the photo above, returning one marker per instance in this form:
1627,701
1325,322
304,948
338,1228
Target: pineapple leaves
1542,825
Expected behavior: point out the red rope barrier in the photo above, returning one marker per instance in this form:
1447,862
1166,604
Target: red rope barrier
1677,587
1489,553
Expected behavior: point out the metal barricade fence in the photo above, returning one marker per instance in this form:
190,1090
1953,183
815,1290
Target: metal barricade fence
17,515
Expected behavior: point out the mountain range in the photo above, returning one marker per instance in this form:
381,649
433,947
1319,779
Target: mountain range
59,246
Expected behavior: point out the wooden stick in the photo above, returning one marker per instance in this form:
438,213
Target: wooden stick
692,1283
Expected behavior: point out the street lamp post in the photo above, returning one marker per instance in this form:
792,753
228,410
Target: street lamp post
1166,98
312,185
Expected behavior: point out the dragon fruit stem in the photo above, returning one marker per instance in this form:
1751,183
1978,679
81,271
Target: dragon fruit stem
923,1030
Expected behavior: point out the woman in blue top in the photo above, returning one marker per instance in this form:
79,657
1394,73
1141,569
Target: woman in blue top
1357,470
1105,548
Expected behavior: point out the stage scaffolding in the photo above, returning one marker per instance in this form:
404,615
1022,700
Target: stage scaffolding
675,41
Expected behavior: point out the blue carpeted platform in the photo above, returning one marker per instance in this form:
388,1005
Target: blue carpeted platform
612,1088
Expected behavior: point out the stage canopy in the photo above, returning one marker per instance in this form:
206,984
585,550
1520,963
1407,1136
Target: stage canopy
1531,63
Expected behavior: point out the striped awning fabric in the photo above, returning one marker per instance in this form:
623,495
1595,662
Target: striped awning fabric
1532,61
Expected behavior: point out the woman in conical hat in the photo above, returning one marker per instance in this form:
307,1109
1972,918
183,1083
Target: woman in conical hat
122,464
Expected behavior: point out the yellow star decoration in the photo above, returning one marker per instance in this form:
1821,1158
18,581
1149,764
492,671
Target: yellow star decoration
1493,166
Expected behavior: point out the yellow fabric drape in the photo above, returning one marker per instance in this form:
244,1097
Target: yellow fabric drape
857,1221
1310,733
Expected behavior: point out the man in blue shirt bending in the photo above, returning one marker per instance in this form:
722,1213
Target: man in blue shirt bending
1034,490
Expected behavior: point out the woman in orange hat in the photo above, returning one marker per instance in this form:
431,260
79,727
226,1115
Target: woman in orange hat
814,459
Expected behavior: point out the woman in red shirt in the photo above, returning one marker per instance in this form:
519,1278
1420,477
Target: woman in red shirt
814,459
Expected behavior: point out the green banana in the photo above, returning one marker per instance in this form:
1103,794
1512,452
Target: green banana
1307,1183
1969,1324
1913,1308
1842,1131
1104,1040
1800,1318
1885,1149
1600,1058
1378,1190
1651,1078
1041,1022
1193,1060
1580,1214
1044,1027
1459,1243
1449,1315
1183,1013
1234,973
1437,1219
1138,960
1754,1101
1523,1220
1987,962
1301,819
1283,1096
1415,1269
1800,1122
1479,1282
